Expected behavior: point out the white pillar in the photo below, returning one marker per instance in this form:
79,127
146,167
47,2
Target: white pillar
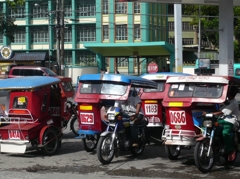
226,48
178,37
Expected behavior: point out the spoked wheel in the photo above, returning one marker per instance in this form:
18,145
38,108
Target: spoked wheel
50,142
74,125
172,151
203,162
90,142
105,155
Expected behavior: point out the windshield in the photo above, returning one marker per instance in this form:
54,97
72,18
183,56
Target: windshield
103,88
159,89
196,90
50,72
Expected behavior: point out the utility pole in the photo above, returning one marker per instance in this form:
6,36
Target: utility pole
58,36
62,39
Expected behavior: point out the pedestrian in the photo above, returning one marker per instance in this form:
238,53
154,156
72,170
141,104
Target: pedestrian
228,120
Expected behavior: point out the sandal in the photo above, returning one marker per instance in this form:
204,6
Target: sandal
232,156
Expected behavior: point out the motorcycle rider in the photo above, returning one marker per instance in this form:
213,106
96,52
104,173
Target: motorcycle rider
132,107
229,113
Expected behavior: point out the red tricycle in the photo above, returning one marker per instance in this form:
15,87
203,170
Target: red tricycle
152,103
185,101
35,113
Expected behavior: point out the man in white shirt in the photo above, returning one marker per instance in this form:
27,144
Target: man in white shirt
229,121
132,107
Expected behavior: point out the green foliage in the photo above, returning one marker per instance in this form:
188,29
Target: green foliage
210,24
7,26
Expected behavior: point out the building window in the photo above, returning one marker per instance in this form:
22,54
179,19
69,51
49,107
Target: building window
187,41
121,32
137,32
40,11
68,34
68,57
40,34
137,8
122,62
105,6
120,7
1,38
86,8
20,35
86,33
170,9
1,7
18,12
171,40
105,32
68,8
86,58
186,26
171,26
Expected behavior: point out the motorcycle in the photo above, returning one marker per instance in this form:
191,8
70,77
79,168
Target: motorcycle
210,147
72,118
117,136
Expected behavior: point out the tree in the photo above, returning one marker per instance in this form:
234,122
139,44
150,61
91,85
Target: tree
210,24
7,27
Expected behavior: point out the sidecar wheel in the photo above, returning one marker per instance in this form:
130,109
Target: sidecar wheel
74,125
203,163
50,142
105,155
90,142
137,151
172,151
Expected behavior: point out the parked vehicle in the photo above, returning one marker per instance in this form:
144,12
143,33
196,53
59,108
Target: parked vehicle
95,94
185,99
18,71
35,111
210,147
152,103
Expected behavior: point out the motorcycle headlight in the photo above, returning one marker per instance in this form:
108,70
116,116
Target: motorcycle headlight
111,116
207,123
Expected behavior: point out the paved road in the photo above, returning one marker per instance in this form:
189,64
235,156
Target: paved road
72,161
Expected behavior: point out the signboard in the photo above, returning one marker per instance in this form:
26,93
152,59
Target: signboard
6,52
152,67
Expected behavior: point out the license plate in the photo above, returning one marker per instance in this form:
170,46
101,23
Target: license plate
14,134
151,109
177,117
87,118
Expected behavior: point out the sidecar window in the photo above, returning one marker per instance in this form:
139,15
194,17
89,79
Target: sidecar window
113,89
90,88
159,89
20,102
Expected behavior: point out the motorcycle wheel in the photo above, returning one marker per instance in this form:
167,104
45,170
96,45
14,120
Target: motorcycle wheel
90,142
105,155
50,142
74,125
203,163
172,151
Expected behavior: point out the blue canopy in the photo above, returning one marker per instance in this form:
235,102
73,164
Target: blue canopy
27,82
135,81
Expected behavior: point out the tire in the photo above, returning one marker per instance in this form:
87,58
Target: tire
203,163
137,151
90,142
104,154
50,142
74,125
172,151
